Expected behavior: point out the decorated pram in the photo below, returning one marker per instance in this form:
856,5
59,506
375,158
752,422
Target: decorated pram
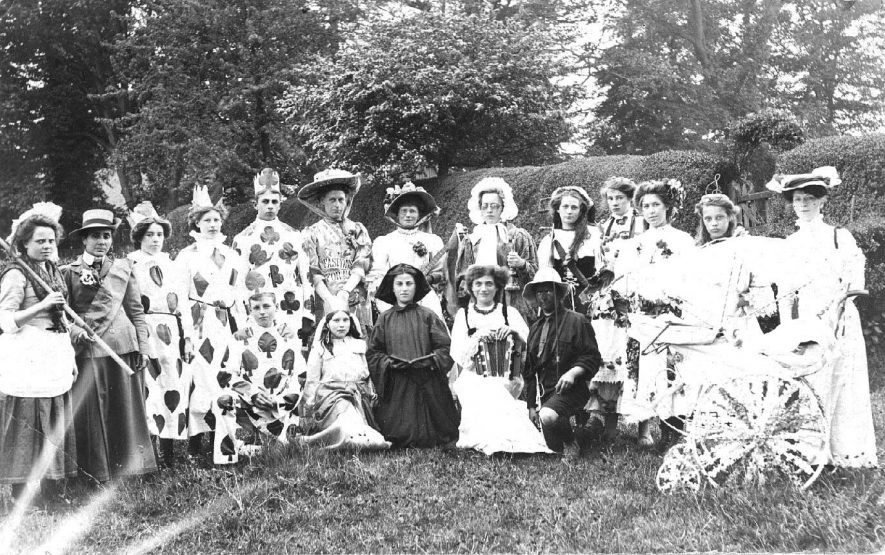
748,408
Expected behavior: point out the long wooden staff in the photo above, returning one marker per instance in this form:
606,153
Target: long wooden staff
68,310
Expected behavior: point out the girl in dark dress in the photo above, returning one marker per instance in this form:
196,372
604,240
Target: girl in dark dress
409,360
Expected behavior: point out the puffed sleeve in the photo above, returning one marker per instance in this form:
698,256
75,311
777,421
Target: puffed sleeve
854,261
380,260
12,293
545,252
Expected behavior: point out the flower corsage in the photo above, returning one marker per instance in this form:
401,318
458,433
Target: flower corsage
90,278
419,249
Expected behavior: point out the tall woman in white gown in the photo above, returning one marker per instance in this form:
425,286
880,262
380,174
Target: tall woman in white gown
493,420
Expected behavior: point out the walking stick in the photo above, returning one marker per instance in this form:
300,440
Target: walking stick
68,310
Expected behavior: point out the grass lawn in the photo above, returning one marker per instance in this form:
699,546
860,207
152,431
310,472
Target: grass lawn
291,500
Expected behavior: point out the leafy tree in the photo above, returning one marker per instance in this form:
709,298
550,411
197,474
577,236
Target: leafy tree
677,72
434,90
207,77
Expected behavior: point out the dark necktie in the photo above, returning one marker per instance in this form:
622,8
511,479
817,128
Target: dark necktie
545,330
621,221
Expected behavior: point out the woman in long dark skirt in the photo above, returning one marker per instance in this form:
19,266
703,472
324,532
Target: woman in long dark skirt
109,411
409,362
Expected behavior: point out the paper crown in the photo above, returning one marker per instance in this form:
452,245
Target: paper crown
142,212
47,209
201,197
267,180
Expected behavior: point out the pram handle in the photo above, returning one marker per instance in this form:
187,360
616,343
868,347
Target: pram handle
851,293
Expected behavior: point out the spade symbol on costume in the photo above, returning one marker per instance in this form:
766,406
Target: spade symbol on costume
270,236
276,277
218,258
160,422
146,303
172,302
182,422
156,275
275,428
227,447
257,256
209,419
267,344
164,333
172,398
254,281
226,403
250,361
272,379
289,360
200,284
290,401
207,350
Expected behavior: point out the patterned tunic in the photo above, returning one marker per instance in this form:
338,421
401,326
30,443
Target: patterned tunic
273,254
168,379
265,362
336,250
215,292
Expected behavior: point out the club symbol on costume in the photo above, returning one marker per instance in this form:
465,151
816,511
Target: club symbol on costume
267,344
218,258
276,277
156,274
270,236
164,333
200,284
171,399
257,256
254,280
288,254
289,303
172,302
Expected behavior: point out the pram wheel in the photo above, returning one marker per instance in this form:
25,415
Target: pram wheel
758,428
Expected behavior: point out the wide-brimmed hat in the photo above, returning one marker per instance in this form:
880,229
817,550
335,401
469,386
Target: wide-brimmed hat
546,276
97,218
825,176
144,212
385,289
310,194
410,194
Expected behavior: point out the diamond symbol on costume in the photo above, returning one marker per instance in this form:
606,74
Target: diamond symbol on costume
207,350
171,399
221,314
164,333
218,258
200,283
172,302
197,310
156,274
254,280
270,236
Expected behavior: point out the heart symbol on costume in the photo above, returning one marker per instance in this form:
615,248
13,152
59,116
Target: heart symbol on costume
146,303
172,302
156,275
182,422
160,422
164,333
153,368
172,398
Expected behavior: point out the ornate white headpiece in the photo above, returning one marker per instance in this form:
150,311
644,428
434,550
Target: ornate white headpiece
47,209
496,184
141,212
267,180
201,197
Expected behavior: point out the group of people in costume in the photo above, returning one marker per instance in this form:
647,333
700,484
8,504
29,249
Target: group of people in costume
325,338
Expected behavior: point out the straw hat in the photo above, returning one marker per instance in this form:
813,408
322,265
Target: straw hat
546,276
97,218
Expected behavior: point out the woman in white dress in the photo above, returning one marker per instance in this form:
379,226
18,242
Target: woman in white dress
493,420
409,207
825,263
214,274
647,264
164,298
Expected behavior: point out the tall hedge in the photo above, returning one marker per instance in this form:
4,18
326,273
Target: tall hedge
532,185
